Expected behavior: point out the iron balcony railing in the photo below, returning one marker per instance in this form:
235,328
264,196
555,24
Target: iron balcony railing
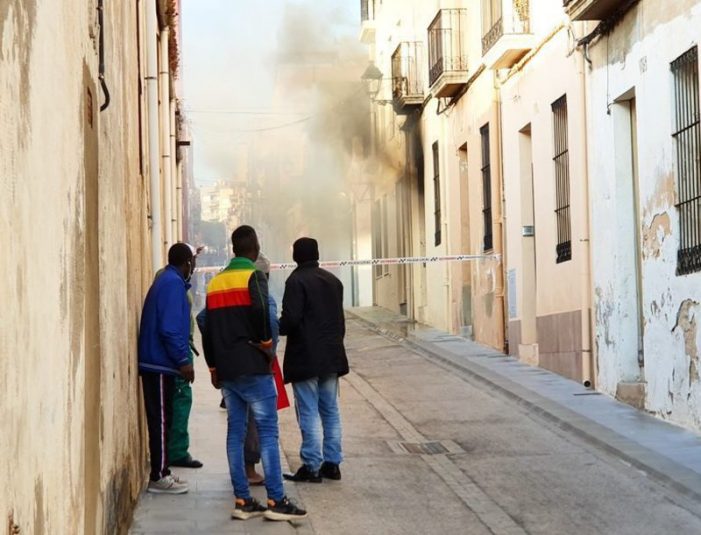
407,71
501,17
367,10
447,43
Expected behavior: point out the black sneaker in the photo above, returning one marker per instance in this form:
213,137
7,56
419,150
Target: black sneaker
283,509
330,471
245,509
304,474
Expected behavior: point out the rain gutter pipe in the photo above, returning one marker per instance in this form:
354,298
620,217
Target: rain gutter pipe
157,257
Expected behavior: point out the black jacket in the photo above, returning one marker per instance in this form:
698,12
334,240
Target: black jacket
237,314
314,323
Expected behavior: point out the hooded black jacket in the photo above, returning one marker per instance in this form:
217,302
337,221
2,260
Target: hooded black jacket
314,323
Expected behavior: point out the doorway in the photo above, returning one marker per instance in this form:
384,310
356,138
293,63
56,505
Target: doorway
529,279
466,324
629,266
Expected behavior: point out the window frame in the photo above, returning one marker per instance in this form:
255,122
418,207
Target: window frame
561,164
486,170
437,214
686,132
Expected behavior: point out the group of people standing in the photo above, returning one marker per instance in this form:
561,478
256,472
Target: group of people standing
239,329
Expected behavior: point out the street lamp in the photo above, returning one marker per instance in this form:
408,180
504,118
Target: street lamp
372,80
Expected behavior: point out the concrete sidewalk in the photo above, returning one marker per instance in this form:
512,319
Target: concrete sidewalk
444,436
667,452
207,507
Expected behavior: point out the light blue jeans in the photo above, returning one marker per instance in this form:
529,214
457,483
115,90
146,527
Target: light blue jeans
316,403
255,393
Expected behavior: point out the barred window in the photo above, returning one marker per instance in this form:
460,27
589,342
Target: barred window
687,135
437,193
486,189
562,181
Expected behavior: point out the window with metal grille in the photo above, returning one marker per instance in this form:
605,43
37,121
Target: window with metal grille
687,134
486,189
437,194
562,181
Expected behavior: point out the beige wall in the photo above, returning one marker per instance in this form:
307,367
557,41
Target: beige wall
76,251
559,304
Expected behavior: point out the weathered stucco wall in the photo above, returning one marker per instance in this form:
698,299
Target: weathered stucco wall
634,61
73,217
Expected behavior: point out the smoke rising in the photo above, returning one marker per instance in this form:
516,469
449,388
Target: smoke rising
302,73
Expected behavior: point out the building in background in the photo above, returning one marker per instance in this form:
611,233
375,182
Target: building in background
89,209
437,187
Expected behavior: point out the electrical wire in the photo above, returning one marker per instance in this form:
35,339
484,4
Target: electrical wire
298,121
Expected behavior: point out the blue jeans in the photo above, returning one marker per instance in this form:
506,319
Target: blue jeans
255,393
316,403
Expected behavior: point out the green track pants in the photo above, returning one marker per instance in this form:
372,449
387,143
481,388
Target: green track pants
179,438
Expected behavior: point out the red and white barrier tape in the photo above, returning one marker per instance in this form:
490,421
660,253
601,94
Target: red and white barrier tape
373,262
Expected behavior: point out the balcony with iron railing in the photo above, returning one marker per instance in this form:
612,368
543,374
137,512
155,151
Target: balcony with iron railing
506,27
408,85
447,52
367,21
591,9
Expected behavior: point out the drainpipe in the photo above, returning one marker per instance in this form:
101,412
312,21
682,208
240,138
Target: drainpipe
589,371
164,76
175,216
501,293
153,131
180,225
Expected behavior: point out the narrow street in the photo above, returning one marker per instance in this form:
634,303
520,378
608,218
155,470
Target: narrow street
431,449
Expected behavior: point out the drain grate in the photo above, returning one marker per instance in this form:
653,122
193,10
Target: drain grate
425,448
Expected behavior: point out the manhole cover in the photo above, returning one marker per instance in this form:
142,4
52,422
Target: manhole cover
425,448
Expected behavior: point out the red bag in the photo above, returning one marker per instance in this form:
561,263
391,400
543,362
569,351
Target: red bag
282,400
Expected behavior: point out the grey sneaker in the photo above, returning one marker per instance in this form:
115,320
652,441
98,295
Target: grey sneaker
245,509
167,485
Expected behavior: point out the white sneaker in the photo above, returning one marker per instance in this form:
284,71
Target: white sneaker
167,485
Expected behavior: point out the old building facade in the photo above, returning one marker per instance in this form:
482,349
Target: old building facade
88,169
642,85
438,188
580,119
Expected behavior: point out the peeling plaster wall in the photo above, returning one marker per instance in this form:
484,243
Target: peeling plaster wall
637,55
74,234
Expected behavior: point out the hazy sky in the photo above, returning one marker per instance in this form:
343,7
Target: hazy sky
228,65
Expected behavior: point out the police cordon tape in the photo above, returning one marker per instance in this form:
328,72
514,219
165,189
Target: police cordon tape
373,262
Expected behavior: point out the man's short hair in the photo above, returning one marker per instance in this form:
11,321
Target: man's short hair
244,240
179,254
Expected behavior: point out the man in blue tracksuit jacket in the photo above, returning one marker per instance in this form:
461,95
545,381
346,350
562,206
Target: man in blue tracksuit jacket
164,353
